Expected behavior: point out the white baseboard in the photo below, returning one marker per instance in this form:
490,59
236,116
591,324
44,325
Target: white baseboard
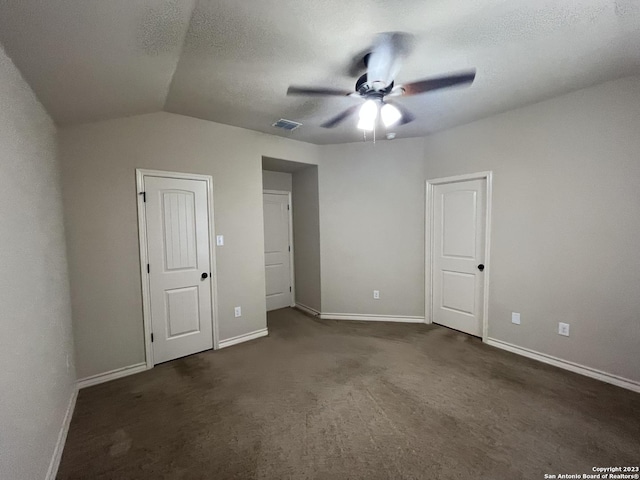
309,310
112,375
359,316
565,364
371,318
243,338
62,437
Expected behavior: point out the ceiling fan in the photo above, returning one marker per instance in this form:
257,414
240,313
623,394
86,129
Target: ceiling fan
377,85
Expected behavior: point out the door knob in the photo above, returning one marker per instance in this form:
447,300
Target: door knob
204,275
481,267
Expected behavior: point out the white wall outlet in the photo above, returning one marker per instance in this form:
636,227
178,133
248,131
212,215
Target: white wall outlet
563,329
237,312
219,240
376,294
515,318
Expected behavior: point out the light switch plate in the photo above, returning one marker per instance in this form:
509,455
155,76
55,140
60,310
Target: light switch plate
376,294
219,240
237,312
515,318
563,329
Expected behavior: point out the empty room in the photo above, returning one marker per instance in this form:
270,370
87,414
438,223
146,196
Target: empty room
329,239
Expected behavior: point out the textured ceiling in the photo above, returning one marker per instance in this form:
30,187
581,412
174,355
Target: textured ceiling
94,59
231,61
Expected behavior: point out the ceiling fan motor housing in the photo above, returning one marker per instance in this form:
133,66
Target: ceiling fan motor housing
366,90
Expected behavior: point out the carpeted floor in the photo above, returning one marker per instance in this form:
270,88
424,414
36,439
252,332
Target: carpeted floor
322,399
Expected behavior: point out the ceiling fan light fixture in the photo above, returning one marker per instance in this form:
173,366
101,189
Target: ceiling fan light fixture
368,115
390,115
366,124
369,111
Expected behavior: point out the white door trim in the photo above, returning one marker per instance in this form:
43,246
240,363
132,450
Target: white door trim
144,255
428,313
292,302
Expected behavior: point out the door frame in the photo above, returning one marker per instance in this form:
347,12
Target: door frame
144,254
428,284
292,276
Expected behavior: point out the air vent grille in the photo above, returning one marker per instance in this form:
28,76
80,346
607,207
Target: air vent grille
289,125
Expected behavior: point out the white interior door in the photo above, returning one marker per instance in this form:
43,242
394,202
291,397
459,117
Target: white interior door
457,253
276,251
177,222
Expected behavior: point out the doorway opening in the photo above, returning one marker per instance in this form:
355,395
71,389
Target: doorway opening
177,264
278,249
291,220
458,234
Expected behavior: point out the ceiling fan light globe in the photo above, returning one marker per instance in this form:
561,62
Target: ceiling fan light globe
369,111
390,115
366,124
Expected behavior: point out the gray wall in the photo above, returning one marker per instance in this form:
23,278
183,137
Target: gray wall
306,237
372,227
564,226
565,223
276,181
99,162
36,347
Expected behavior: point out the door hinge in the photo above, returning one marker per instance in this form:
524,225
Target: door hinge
144,196
289,288
148,268
287,207
289,247
152,336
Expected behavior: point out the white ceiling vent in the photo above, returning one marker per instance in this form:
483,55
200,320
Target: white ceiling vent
289,125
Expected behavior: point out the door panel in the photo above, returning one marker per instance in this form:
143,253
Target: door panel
277,279
458,235
183,314
458,291
459,224
276,251
177,221
179,230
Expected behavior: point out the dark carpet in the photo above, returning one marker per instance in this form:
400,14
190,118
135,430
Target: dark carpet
320,399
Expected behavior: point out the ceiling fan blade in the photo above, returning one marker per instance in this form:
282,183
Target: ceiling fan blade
317,91
384,62
341,117
407,116
358,64
429,85
397,91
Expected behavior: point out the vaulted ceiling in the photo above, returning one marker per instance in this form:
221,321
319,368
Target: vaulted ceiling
231,61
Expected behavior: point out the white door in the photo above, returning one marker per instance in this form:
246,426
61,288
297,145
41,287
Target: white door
458,240
276,251
177,222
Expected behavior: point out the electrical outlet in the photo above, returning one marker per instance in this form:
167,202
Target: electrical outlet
376,294
237,312
563,329
515,318
219,240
